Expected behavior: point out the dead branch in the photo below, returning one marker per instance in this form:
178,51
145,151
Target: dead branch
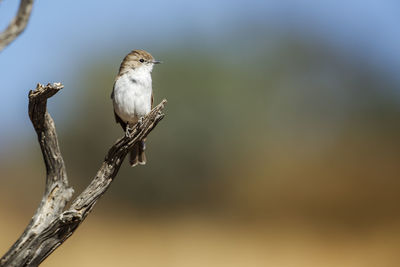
52,224
17,24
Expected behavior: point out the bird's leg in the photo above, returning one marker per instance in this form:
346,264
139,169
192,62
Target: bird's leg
139,123
128,130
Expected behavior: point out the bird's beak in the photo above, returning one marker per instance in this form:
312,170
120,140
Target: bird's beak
157,62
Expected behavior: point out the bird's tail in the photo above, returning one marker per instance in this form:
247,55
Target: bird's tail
137,155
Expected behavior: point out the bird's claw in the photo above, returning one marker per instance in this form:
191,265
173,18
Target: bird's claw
139,123
128,131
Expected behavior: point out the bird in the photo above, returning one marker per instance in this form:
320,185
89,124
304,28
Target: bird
132,96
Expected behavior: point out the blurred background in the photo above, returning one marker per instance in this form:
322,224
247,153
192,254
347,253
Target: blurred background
280,146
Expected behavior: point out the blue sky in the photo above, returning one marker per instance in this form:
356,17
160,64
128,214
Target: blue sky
63,34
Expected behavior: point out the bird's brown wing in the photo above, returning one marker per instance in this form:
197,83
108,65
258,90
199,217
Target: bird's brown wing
112,93
121,122
117,118
152,99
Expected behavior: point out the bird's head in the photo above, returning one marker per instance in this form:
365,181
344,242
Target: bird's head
138,59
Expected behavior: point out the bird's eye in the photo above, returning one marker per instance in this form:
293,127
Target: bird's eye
141,60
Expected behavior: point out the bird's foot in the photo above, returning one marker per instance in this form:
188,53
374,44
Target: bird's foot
128,131
139,123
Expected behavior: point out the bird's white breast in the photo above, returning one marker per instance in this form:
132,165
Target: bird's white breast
132,95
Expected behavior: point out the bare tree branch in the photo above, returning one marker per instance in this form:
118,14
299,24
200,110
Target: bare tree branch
17,24
51,225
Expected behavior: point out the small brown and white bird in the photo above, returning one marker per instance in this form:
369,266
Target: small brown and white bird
132,96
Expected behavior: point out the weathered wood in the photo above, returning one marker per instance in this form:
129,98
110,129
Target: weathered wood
17,24
52,224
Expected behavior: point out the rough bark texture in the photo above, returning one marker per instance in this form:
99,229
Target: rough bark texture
17,24
52,224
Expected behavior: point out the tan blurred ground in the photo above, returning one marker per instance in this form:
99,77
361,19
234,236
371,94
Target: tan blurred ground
118,239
